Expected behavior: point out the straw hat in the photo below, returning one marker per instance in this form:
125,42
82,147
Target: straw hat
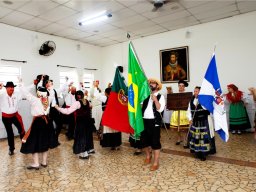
156,81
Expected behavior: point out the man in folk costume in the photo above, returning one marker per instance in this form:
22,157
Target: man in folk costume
37,139
95,92
180,124
201,133
9,106
54,113
152,108
69,100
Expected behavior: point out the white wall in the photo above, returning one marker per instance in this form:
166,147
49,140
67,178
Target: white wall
20,44
235,52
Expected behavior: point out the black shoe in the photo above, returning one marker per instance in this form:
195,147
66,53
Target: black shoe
185,146
178,143
203,158
86,157
44,166
11,153
31,167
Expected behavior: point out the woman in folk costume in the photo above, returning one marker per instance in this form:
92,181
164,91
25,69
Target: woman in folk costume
37,139
238,117
111,138
180,124
201,135
83,127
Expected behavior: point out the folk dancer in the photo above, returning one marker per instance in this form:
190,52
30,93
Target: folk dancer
83,126
37,139
9,101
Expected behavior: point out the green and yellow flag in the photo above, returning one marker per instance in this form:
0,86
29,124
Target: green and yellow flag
138,91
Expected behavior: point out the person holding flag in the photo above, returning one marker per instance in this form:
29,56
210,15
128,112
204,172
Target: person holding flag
201,140
138,91
115,114
110,137
210,97
152,109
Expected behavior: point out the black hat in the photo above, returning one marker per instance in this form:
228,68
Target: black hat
42,90
183,82
10,84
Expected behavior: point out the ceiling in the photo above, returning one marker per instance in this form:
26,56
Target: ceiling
61,17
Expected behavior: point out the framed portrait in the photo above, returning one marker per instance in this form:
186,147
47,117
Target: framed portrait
174,64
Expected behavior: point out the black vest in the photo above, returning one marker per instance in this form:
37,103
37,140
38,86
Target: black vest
198,113
84,111
158,116
56,97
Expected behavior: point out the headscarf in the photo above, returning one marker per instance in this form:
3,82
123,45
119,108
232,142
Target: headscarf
236,96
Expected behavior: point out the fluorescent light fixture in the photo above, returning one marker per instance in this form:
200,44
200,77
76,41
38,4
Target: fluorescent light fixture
101,16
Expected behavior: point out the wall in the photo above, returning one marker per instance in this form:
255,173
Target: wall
20,44
235,42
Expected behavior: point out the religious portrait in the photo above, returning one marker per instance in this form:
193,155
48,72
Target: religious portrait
174,64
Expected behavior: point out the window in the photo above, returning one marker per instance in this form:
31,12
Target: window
72,77
9,73
87,80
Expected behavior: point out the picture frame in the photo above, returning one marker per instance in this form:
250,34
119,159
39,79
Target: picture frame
171,71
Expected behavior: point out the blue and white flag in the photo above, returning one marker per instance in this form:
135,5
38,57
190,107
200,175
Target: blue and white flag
210,98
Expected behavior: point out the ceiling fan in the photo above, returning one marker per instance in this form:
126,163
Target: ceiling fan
159,3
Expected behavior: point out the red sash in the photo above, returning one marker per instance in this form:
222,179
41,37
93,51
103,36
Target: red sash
17,115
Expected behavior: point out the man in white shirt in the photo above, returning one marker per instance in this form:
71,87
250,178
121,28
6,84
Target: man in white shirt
69,100
54,114
152,109
9,107
95,93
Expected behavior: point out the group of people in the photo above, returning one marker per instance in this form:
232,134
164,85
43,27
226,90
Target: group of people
83,116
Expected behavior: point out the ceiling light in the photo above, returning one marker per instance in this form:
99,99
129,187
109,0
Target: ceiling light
96,18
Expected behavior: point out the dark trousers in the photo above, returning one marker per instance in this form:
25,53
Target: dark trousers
71,125
55,116
8,121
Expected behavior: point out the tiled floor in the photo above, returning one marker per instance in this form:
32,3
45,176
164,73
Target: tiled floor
233,168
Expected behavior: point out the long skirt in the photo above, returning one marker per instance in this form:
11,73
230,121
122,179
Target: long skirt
111,138
184,122
39,137
200,141
238,117
53,137
81,129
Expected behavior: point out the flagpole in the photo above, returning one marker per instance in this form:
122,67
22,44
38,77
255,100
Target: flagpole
138,60
147,81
